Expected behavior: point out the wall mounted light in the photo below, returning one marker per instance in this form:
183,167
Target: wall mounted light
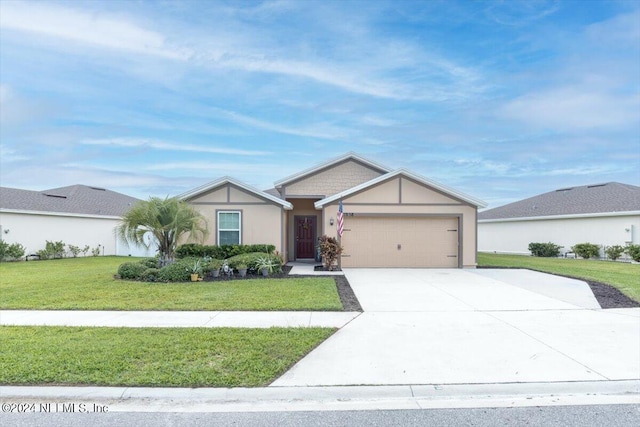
331,221
6,231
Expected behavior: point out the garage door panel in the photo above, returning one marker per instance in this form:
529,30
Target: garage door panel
400,242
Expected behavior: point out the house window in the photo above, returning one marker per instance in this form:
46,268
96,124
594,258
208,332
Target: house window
229,230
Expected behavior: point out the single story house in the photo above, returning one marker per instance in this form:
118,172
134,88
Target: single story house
392,218
79,215
604,214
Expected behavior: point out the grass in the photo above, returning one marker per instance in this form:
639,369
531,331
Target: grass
184,357
88,284
623,276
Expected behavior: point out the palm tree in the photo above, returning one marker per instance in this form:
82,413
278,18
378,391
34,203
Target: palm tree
167,219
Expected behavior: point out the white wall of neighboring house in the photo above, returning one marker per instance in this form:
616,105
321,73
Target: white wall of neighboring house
514,235
33,229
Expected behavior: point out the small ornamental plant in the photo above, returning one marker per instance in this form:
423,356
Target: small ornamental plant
330,250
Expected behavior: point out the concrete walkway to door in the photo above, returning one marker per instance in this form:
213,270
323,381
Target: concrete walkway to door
472,326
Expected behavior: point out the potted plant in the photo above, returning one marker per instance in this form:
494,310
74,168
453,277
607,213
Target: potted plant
266,265
242,269
195,270
215,266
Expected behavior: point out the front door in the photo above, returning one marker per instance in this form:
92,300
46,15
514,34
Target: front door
305,236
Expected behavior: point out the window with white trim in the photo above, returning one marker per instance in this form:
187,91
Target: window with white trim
229,227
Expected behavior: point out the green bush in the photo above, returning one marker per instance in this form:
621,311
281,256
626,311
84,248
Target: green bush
11,252
220,252
634,252
179,271
131,270
614,252
149,262
75,250
55,249
544,249
586,250
151,275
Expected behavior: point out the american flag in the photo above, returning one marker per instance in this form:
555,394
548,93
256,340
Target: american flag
340,220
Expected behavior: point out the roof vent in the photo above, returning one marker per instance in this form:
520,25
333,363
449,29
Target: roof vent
564,189
55,195
596,185
98,188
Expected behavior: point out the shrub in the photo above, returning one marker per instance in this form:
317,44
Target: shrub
544,249
75,250
15,251
11,252
220,252
634,252
253,260
44,254
55,249
149,262
151,275
614,252
178,271
131,270
330,250
586,250
95,251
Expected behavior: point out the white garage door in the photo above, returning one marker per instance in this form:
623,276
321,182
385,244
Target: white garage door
400,242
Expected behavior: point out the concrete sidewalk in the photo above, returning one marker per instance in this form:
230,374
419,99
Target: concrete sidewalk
178,319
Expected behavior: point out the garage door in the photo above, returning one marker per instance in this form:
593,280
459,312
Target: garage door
400,242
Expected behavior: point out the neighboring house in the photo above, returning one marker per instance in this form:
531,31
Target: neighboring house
604,214
78,215
391,218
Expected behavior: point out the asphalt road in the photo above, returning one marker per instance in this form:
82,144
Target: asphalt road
579,416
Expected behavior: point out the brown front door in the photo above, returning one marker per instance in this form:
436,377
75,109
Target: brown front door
305,236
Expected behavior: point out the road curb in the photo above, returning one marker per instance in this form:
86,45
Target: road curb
145,399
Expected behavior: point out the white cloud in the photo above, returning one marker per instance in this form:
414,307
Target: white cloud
113,32
575,108
167,146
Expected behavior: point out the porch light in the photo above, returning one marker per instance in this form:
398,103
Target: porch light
331,221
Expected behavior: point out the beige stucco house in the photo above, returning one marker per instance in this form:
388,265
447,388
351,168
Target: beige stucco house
392,218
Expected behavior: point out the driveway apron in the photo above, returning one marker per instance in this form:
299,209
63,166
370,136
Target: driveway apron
446,326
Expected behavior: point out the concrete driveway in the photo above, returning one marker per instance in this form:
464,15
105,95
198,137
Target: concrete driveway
473,326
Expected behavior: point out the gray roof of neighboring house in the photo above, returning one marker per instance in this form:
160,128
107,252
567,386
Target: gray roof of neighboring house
586,199
75,199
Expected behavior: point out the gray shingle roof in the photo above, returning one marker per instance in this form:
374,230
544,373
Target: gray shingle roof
75,199
586,199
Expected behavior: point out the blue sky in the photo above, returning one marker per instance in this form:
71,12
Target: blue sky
499,99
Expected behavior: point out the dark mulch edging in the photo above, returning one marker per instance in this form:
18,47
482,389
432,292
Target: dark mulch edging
606,295
347,297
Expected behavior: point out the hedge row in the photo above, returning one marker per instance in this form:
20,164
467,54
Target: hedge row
220,252
585,250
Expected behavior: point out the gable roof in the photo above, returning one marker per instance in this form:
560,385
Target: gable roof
349,156
228,180
74,199
587,199
403,172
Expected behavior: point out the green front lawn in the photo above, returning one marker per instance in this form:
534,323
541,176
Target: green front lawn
623,276
182,357
88,284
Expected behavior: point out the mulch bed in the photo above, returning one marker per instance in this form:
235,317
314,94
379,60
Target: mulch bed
347,297
606,295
